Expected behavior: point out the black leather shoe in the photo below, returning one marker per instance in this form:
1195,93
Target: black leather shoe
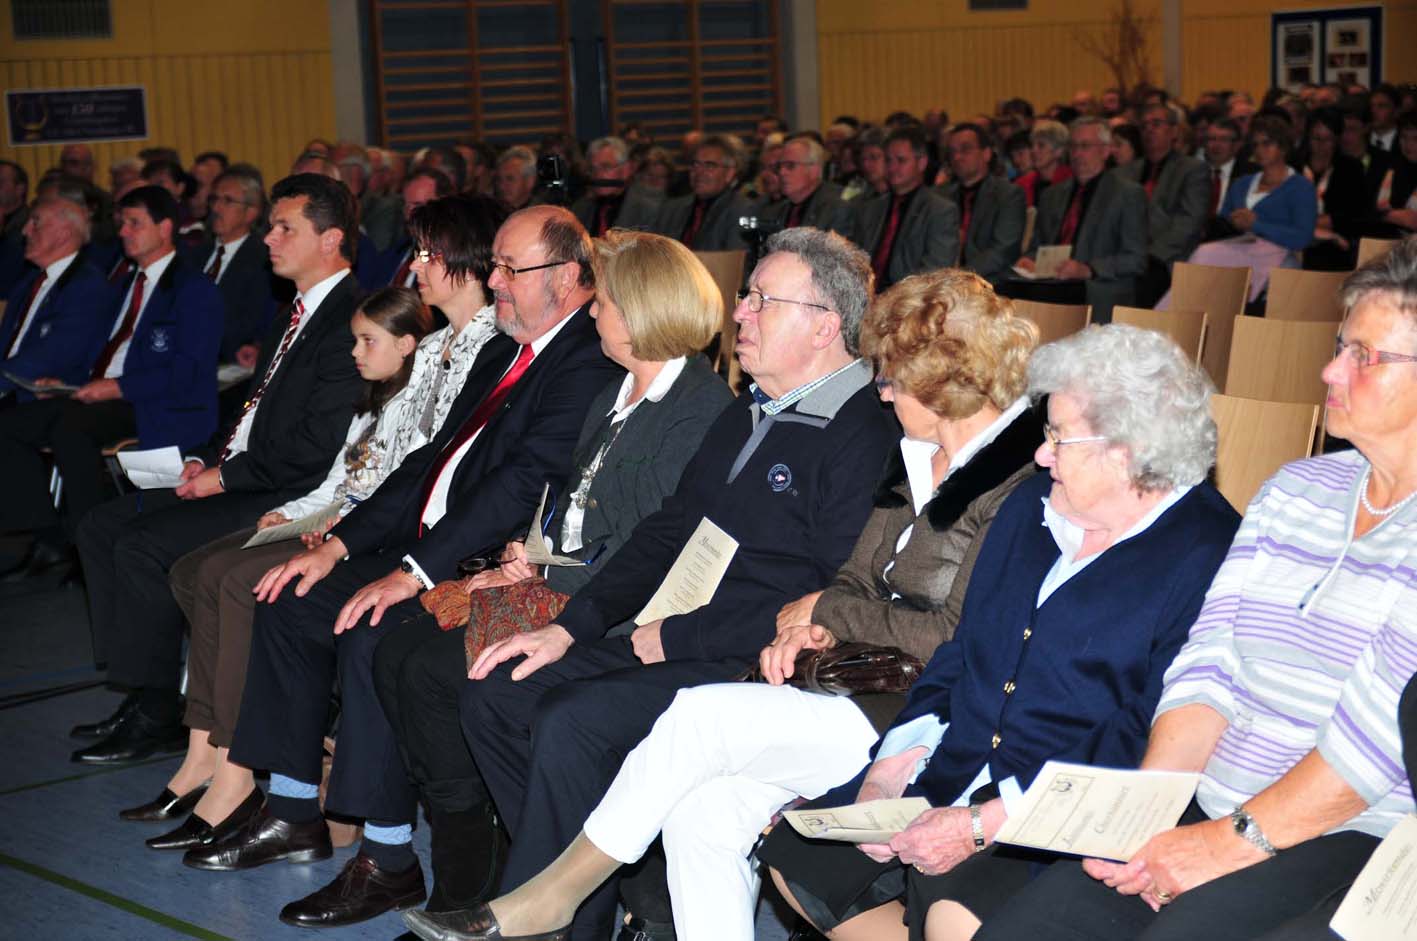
263,839
44,560
166,806
474,924
136,738
195,831
106,727
636,928
361,891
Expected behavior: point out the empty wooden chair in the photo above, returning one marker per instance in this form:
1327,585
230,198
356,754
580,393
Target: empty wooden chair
1304,295
1280,360
1368,249
1054,321
727,271
1256,439
1186,327
1221,293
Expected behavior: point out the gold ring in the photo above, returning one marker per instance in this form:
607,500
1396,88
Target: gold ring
1163,896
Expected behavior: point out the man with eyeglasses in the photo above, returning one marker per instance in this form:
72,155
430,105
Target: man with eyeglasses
477,483
706,219
611,200
1103,217
1224,164
910,228
991,209
238,263
395,267
806,200
787,471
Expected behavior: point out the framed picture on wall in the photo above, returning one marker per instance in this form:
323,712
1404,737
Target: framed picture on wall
1337,44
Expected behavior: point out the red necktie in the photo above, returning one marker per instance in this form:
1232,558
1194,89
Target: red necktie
1151,180
401,276
794,215
696,222
881,260
1214,191
1073,217
480,416
966,214
214,269
121,269
297,311
602,217
24,313
125,331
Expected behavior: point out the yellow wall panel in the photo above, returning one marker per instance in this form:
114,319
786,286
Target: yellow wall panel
252,79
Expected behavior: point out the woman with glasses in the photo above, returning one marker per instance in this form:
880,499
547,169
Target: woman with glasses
1079,598
655,307
1286,696
951,358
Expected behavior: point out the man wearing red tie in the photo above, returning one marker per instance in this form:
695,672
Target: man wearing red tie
301,399
910,228
475,485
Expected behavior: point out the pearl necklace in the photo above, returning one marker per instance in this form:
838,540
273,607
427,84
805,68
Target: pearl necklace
1386,511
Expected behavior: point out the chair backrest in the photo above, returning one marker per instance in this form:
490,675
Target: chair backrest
1256,439
1054,321
1368,249
1186,327
1221,293
1304,295
727,271
1280,360
1030,219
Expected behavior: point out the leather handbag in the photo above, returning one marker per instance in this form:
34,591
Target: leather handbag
850,669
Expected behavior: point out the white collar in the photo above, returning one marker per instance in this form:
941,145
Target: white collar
658,387
54,269
1069,536
313,298
541,342
234,245
157,268
917,454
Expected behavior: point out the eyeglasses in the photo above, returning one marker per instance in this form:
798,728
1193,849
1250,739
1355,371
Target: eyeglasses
787,165
426,256
708,165
511,273
223,200
755,300
1362,357
1054,442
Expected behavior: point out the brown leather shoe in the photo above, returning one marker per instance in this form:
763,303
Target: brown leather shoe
264,839
166,806
361,891
471,924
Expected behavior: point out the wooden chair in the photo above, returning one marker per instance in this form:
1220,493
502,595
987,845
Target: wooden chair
1304,295
1368,249
1221,293
1186,327
1054,321
1280,360
1256,439
727,271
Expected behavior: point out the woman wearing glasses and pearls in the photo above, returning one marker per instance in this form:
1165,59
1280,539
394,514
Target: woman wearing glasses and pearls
1286,696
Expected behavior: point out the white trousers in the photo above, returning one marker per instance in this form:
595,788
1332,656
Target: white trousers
711,773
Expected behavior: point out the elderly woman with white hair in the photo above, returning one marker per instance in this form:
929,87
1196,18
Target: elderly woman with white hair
1286,695
1081,596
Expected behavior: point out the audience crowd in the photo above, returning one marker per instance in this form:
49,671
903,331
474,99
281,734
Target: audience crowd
444,440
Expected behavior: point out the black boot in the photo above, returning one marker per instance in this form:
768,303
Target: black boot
469,848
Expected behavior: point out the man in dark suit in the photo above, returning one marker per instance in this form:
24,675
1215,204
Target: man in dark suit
1103,217
395,268
238,262
477,483
1225,165
151,375
991,209
281,446
612,200
911,228
806,199
1178,196
706,219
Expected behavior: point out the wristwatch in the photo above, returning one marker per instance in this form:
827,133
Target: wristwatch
1246,827
406,567
976,826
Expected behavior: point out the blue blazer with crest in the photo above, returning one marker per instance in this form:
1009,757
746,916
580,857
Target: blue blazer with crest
67,331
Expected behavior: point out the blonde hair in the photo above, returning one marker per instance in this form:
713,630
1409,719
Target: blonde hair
950,342
671,304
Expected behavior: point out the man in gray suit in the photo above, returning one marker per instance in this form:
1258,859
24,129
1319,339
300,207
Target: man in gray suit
991,209
612,201
706,219
910,228
1103,217
1178,192
806,199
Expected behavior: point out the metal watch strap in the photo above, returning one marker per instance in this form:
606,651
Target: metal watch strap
976,825
1247,828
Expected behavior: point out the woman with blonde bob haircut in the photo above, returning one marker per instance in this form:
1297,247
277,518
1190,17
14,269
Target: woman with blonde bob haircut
952,356
670,304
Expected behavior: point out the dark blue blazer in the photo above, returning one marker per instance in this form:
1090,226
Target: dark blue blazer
245,287
68,330
169,374
1087,678
383,266
369,265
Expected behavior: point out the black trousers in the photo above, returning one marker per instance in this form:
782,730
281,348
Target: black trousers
419,671
550,744
127,547
295,658
76,434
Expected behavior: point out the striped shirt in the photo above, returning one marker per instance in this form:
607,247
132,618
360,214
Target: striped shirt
1306,640
773,406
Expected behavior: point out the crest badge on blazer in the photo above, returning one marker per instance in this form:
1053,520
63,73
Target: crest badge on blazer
160,342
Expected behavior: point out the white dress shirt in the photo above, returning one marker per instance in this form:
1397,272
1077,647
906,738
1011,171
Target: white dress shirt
229,250
153,272
52,274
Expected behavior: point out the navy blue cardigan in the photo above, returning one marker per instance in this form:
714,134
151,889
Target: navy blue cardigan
1086,668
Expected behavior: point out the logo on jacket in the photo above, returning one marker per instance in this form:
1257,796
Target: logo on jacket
779,477
44,330
160,342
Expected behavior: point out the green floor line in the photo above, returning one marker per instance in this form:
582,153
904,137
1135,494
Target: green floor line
108,898
86,774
